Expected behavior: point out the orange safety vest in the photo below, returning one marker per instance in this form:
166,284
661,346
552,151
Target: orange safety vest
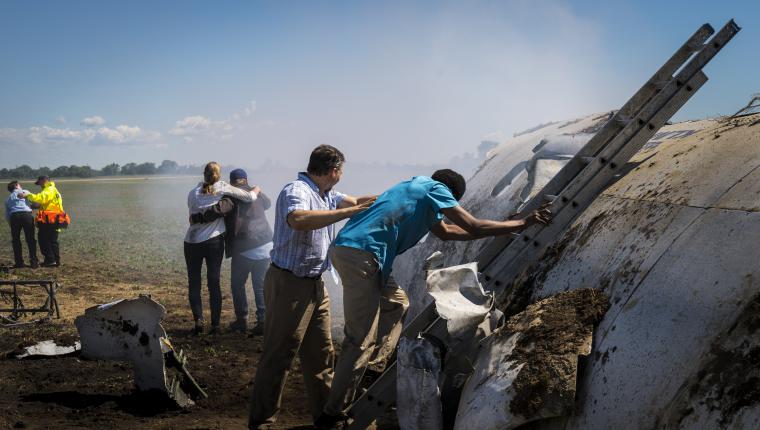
59,219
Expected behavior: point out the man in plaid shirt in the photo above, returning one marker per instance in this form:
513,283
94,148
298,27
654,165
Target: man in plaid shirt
298,307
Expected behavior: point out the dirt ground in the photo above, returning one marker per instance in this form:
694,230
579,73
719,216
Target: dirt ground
74,393
125,240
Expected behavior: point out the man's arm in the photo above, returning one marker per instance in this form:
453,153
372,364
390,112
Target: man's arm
349,201
304,220
218,210
467,227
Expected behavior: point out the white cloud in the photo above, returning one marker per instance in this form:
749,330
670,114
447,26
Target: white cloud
92,121
199,125
46,135
127,134
51,135
61,119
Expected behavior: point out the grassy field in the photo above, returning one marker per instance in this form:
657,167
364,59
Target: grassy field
126,239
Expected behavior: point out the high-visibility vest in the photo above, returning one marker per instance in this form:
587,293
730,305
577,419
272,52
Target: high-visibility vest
51,206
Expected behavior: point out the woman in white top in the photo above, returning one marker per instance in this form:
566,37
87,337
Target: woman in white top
206,242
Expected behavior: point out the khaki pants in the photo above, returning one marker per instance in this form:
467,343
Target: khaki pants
298,321
373,314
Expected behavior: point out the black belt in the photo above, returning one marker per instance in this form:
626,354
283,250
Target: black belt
318,277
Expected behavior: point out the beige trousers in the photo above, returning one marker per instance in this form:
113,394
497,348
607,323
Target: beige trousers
298,322
373,312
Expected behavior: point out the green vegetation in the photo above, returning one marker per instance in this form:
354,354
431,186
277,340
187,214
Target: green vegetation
167,167
126,230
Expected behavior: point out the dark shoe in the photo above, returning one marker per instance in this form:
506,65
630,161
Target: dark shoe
198,329
49,264
331,422
214,329
258,330
239,325
34,265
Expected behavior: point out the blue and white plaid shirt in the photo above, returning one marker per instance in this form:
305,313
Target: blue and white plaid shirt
303,252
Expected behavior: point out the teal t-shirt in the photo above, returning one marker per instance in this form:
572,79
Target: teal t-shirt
398,220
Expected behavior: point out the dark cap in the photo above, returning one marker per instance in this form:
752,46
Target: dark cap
238,174
41,178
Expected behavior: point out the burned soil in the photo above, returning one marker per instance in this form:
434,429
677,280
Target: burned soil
554,332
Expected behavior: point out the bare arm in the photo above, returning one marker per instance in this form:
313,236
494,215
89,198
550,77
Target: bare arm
349,201
467,227
304,220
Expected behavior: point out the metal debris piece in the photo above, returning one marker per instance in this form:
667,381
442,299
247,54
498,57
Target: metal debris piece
130,330
417,392
10,292
461,301
752,107
48,348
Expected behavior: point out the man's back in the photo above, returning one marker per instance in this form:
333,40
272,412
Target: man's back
399,218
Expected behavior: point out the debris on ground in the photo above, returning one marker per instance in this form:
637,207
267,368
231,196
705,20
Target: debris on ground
130,330
49,349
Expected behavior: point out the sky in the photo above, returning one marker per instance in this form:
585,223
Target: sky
247,83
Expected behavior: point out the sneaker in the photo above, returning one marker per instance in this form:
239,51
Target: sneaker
239,325
258,330
331,422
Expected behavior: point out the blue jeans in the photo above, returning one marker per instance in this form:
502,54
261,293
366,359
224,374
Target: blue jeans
241,268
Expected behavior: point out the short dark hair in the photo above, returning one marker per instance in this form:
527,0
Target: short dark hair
323,159
12,186
456,183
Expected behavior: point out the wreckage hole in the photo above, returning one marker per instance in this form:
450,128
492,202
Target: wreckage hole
506,181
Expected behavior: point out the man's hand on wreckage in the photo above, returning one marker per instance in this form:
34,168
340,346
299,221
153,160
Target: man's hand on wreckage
542,215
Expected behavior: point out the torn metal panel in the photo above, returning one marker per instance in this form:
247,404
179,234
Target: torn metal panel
127,330
460,300
418,396
130,330
48,348
526,371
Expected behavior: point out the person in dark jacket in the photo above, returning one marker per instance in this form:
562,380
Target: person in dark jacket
248,242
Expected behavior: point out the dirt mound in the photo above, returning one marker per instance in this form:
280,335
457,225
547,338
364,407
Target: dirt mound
554,332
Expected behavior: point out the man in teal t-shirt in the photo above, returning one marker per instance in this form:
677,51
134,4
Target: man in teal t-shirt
363,254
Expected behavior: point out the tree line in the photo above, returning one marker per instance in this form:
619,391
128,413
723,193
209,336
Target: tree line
167,167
